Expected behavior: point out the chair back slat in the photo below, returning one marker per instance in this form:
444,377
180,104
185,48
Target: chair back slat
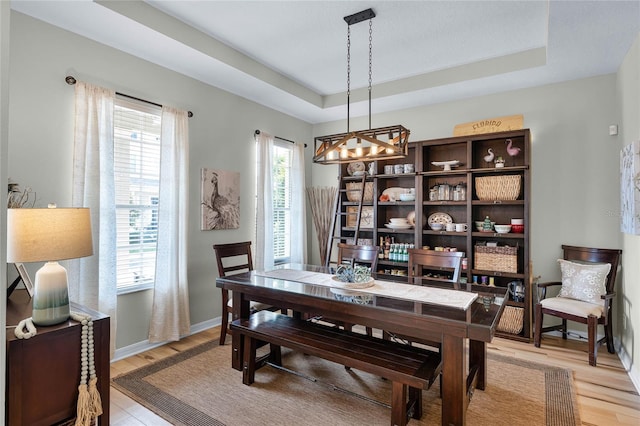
358,254
233,253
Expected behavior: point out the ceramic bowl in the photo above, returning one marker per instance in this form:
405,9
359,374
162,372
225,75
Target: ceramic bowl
518,229
480,223
437,226
407,197
502,229
398,220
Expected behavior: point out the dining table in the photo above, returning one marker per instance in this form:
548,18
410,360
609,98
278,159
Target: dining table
460,318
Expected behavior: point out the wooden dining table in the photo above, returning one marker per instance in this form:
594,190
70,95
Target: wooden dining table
462,318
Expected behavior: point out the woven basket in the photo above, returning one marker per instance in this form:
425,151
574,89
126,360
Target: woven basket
353,191
503,258
512,320
493,188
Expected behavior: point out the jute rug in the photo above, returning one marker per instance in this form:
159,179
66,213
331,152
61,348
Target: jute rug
198,387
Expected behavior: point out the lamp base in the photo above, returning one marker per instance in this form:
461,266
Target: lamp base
50,295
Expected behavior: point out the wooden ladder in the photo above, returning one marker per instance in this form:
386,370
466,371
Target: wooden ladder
339,212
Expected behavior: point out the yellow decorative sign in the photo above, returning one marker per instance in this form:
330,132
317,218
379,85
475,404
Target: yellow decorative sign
490,125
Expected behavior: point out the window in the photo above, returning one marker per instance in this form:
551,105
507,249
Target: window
137,186
282,159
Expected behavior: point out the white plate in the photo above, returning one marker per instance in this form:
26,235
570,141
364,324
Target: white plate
446,164
391,226
439,217
357,166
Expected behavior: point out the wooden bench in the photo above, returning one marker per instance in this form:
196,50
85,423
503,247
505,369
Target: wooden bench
410,369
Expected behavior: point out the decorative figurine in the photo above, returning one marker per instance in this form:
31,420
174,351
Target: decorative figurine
499,162
512,150
489,157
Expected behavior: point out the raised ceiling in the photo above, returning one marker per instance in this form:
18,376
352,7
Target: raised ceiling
291,55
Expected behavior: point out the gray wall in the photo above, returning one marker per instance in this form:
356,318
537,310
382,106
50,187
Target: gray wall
41,141
629,291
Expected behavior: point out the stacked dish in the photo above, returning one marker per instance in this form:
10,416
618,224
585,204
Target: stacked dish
398,223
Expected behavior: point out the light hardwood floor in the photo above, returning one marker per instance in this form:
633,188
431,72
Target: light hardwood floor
606,395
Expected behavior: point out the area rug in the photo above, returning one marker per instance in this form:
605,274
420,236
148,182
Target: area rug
198,387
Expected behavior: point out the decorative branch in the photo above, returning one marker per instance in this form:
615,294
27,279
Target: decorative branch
322,200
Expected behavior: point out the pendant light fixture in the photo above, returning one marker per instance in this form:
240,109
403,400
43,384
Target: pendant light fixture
361,145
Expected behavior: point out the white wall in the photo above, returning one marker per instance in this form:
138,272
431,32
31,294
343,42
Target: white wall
629,298
221,136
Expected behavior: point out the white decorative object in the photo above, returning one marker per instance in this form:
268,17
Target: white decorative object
446,164
586,282
630,188
489,157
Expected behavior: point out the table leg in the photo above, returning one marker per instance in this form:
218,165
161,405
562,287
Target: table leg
454,401
478,358
240,310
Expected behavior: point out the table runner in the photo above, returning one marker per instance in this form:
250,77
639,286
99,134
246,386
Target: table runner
432,295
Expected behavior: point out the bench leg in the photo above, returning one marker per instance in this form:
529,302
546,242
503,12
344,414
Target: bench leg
275,354
249,360
398,404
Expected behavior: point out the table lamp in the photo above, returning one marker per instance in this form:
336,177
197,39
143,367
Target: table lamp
49,235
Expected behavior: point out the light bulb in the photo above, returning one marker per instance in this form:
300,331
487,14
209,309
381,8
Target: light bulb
390,150
373,150
344,152
359,148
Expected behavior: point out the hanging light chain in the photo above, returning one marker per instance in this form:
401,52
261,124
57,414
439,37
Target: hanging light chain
370,65
348,72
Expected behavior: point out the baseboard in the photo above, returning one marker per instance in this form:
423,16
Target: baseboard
627,363
145,345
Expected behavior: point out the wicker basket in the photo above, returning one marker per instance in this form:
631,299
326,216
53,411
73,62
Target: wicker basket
353,191
503,258
512,320
493,188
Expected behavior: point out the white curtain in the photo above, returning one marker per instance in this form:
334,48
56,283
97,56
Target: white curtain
298,207
264,213
264,209
170,312
92,280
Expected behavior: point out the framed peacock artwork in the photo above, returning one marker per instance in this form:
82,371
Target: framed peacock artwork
630,188
219,199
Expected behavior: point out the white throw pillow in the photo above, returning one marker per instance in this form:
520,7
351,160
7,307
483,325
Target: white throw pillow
584,281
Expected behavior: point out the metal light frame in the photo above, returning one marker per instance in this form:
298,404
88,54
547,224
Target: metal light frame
384,142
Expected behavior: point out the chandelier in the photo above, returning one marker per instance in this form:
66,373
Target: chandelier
361,145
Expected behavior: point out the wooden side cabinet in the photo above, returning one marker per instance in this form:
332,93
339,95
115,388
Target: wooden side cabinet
43,372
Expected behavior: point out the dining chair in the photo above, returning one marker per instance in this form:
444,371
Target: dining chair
586,295
431,265
234,258
362,255
356,254
435,267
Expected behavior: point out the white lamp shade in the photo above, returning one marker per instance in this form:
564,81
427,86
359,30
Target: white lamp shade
40,235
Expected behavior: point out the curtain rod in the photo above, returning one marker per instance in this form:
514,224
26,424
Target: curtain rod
257,132
71,80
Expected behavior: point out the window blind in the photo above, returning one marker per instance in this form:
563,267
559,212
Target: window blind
137,177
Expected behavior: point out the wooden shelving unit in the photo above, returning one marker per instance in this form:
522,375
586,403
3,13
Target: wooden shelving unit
470,152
